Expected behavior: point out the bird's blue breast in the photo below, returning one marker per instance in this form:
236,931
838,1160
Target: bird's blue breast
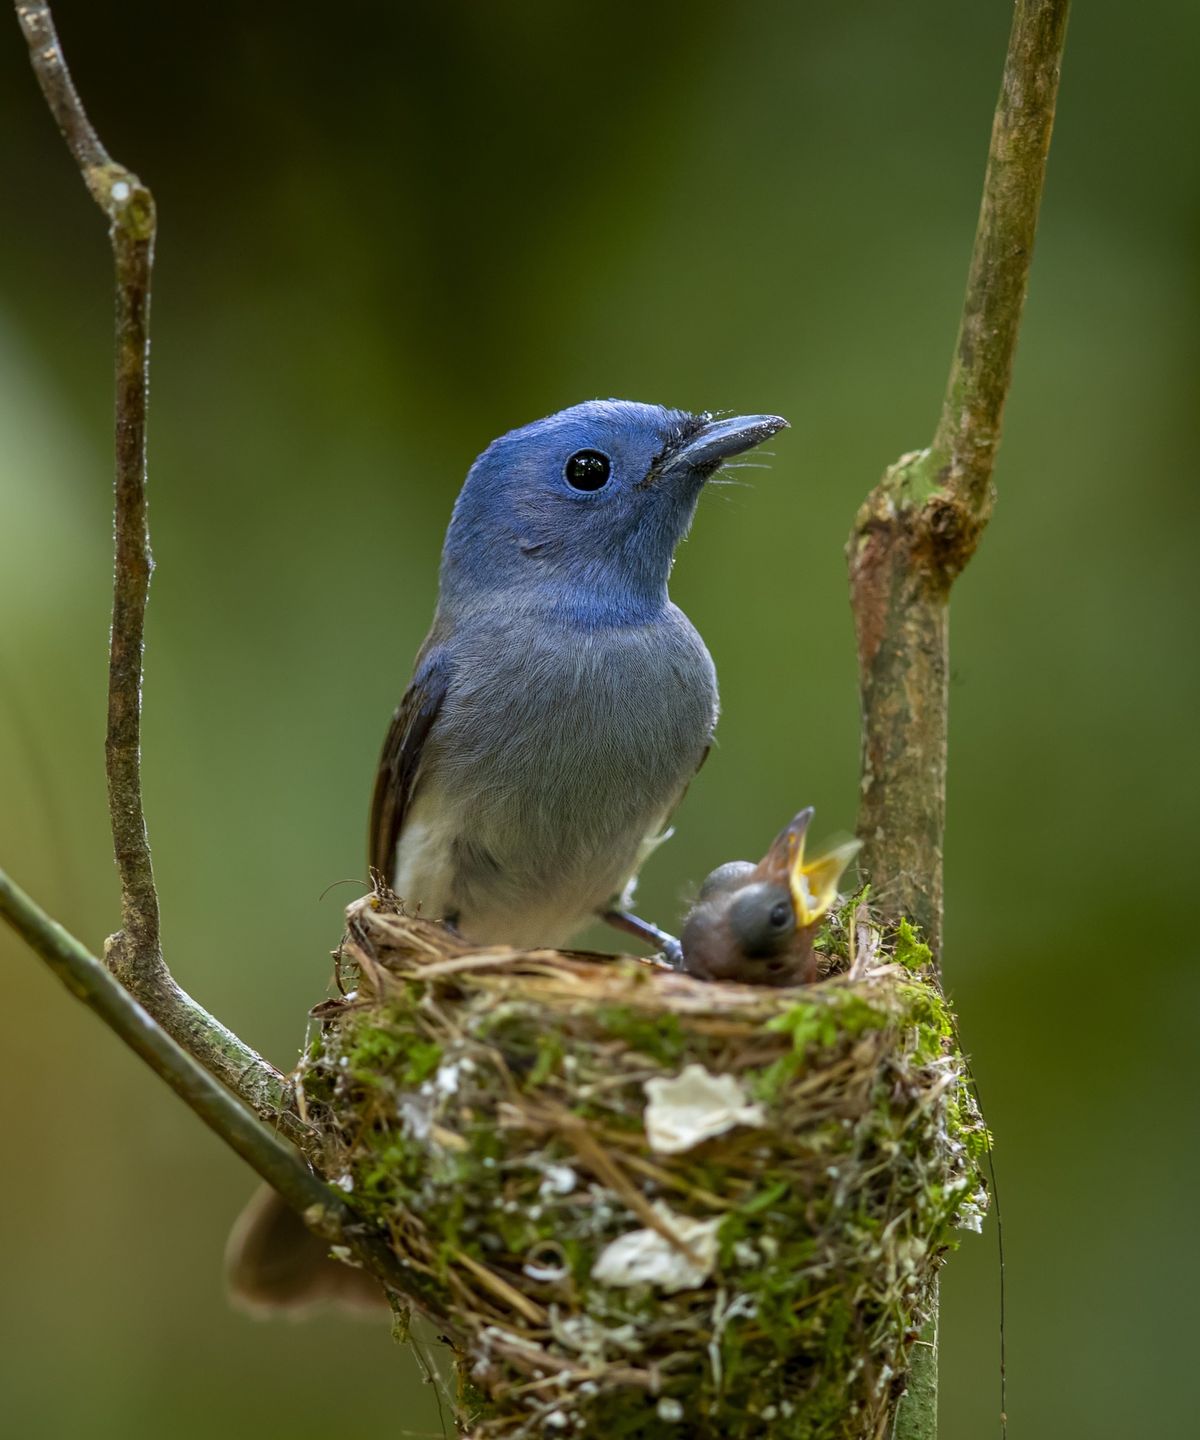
578,701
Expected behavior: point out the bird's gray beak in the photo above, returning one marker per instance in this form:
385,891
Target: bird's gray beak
719,440
776,864
813,883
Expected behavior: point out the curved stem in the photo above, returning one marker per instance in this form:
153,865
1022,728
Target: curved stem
964,447
130,210
134,953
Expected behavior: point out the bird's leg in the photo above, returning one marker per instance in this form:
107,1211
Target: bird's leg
644,930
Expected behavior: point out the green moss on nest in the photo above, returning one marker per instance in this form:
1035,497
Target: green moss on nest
489,1112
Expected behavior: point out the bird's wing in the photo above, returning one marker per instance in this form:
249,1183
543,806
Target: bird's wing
663,830
401,758
687,784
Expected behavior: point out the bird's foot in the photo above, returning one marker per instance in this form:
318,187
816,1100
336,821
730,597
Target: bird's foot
634,925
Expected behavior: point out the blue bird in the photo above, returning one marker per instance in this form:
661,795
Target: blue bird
560,703
557,711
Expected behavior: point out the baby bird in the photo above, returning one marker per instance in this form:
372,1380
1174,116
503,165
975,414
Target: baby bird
756,923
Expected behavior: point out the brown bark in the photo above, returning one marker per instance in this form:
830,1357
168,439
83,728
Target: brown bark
920,526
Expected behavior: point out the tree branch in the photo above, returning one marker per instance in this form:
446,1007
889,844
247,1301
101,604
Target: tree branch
968,434
921,524
88,980
130,210
273,1159
919,527
134,953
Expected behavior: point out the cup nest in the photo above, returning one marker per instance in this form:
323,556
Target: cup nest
645,1205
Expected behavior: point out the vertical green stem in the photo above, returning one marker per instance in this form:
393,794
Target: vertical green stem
920,526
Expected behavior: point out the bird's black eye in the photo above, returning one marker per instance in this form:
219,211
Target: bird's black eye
761,919
588,470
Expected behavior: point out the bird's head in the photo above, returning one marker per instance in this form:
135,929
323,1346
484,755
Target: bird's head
757,923
585,508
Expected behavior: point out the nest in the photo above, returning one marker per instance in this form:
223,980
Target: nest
644,1205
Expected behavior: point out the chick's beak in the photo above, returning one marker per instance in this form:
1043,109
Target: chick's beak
720,440
812,883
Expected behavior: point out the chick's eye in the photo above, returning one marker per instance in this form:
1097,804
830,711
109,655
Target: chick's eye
781,915
588,470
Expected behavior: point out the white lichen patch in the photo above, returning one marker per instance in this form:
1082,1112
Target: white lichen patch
449,1076
557,1180
695,1106
645,1257
595,1342
972,1211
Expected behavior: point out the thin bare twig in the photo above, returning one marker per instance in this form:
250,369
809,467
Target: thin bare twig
134,953
919,527
135,949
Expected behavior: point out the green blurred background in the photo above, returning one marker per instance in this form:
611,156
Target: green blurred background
389,232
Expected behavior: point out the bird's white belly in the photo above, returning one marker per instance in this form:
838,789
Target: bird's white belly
500,905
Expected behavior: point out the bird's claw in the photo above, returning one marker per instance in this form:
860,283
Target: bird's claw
672,952
670,948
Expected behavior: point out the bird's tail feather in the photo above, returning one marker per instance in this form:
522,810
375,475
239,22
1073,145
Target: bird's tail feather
275,1266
